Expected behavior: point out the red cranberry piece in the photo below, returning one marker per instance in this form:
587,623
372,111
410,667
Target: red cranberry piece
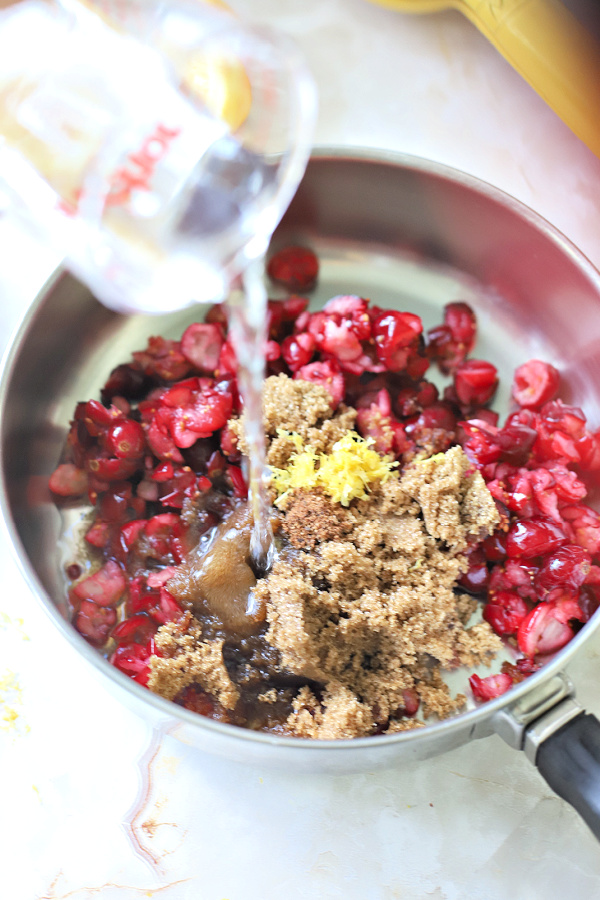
163,359
297,350
491,686
535,383
394,332
541,632
516,442
505,611
410,704
494,546
475,382
589,600
201,344
100,416
132,659
449,344
68,481
461,320
112,469
475,579
126,440
534,537
105,587
124,381
94,622
238,482
130,532
296,268
167,609
208,411
99,534
479,442
522,669
567,567
227,362
328,375
137,629
583,524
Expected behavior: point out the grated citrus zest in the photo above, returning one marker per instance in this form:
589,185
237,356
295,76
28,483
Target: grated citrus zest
344,474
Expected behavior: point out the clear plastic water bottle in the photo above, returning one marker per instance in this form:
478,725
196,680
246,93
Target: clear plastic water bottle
157,147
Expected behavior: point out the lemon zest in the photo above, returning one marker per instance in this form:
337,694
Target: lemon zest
344,474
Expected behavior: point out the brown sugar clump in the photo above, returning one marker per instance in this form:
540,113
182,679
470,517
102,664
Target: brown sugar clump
311,518
372,613
294,405
340,715
186,660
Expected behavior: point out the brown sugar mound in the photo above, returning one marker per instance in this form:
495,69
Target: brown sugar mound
187,660
373,613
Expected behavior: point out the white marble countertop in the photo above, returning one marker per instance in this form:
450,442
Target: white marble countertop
95,805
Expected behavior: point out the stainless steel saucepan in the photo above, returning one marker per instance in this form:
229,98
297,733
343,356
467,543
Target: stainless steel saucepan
404,232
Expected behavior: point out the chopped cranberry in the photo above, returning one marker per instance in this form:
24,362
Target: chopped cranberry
494,546
479,442
475,382
227,362
505,611
568,567
589,600
296,268
240,488
534,537
203,704
105,587
541,632
126,440
132,659
328,375
449,344
394,332
535,383
99,534
490,687
111,469
521,670
167,609
163,359
475,579
516,443
410,704
68,481
136,628
340,341
297,350
583,525
201,344
461,320
124,381
94,622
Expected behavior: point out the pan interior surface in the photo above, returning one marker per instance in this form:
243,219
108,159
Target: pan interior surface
400,235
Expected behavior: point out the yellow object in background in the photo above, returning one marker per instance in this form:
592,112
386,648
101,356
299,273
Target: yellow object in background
221,83
546,44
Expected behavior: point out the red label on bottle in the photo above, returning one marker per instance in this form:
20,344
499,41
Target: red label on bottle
140,166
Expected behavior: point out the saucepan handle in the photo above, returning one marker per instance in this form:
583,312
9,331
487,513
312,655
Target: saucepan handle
569,760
